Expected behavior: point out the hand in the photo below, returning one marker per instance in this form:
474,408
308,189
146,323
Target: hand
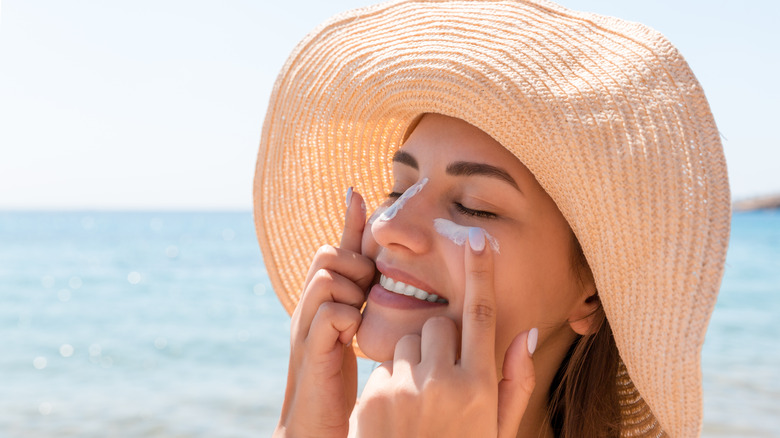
426,391
322,374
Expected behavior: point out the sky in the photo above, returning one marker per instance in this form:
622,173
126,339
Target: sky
159,104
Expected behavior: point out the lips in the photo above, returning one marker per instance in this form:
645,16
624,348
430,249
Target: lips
401,283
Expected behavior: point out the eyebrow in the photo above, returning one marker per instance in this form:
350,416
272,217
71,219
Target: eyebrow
405,158
462,168
467,168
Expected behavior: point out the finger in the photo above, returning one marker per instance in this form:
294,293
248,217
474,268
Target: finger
326,286
349,374
407,353
439,341
333,326
352,265
479,307
376,381
355,221
518,383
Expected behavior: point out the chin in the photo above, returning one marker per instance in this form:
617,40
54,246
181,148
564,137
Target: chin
377,337
375,342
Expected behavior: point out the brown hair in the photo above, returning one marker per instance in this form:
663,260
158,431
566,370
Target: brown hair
583,398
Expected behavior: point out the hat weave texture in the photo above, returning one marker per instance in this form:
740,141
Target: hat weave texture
605,113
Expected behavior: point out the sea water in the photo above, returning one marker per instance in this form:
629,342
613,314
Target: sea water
165,325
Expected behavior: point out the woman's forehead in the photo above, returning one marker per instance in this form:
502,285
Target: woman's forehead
442,140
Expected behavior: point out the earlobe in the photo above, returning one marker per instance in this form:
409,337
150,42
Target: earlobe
583,315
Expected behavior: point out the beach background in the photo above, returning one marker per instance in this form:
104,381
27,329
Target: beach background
164,324
133,297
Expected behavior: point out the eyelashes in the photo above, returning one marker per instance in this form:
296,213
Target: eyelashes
475,213
458,206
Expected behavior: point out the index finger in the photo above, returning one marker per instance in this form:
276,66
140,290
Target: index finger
354,222
478,343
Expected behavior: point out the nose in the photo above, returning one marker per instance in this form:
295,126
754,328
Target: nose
407,223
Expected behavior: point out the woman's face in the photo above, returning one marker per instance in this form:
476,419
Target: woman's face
460,176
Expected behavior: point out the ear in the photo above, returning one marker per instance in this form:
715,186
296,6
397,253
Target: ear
583,314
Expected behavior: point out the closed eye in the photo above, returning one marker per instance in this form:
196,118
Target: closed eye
460,207
475,213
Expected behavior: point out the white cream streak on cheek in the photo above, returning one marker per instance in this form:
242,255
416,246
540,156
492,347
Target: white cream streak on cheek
399,203
459,234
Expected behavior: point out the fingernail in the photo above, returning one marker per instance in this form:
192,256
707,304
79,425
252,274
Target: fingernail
533,336
349,196
476,239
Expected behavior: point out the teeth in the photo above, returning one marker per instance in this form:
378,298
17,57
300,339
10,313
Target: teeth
421,295
402,288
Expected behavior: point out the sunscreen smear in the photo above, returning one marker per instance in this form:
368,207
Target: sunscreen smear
399,203
459,234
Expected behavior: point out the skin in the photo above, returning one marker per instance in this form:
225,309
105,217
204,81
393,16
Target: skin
466,359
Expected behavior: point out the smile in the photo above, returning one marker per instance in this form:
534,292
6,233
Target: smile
401,288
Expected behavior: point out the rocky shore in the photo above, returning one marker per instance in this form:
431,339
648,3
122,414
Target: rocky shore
759,203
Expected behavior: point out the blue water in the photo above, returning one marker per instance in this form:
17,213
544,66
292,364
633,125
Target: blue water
165,325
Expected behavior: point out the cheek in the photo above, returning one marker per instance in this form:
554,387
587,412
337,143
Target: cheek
529,289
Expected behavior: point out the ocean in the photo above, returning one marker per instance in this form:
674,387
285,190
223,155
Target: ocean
164,324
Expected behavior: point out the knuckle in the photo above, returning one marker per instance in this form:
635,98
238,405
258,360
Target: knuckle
477,388
328,309
325,251
482,311
528,383
376,400
486,380
436,384
410,339
481,274
438,325
438,321
322,277
407,394
368,271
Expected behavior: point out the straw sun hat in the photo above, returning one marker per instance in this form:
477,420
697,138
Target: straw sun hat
605,113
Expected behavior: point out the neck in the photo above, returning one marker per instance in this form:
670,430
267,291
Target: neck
547,359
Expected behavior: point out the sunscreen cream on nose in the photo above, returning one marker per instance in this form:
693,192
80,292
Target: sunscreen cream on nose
459,234
375,215
401,201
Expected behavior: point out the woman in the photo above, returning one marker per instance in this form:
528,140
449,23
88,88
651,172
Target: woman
557,222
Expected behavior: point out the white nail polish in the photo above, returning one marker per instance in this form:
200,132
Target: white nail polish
533,337
349,196
476,239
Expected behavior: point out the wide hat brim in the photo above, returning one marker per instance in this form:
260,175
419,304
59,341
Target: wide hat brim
605,113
